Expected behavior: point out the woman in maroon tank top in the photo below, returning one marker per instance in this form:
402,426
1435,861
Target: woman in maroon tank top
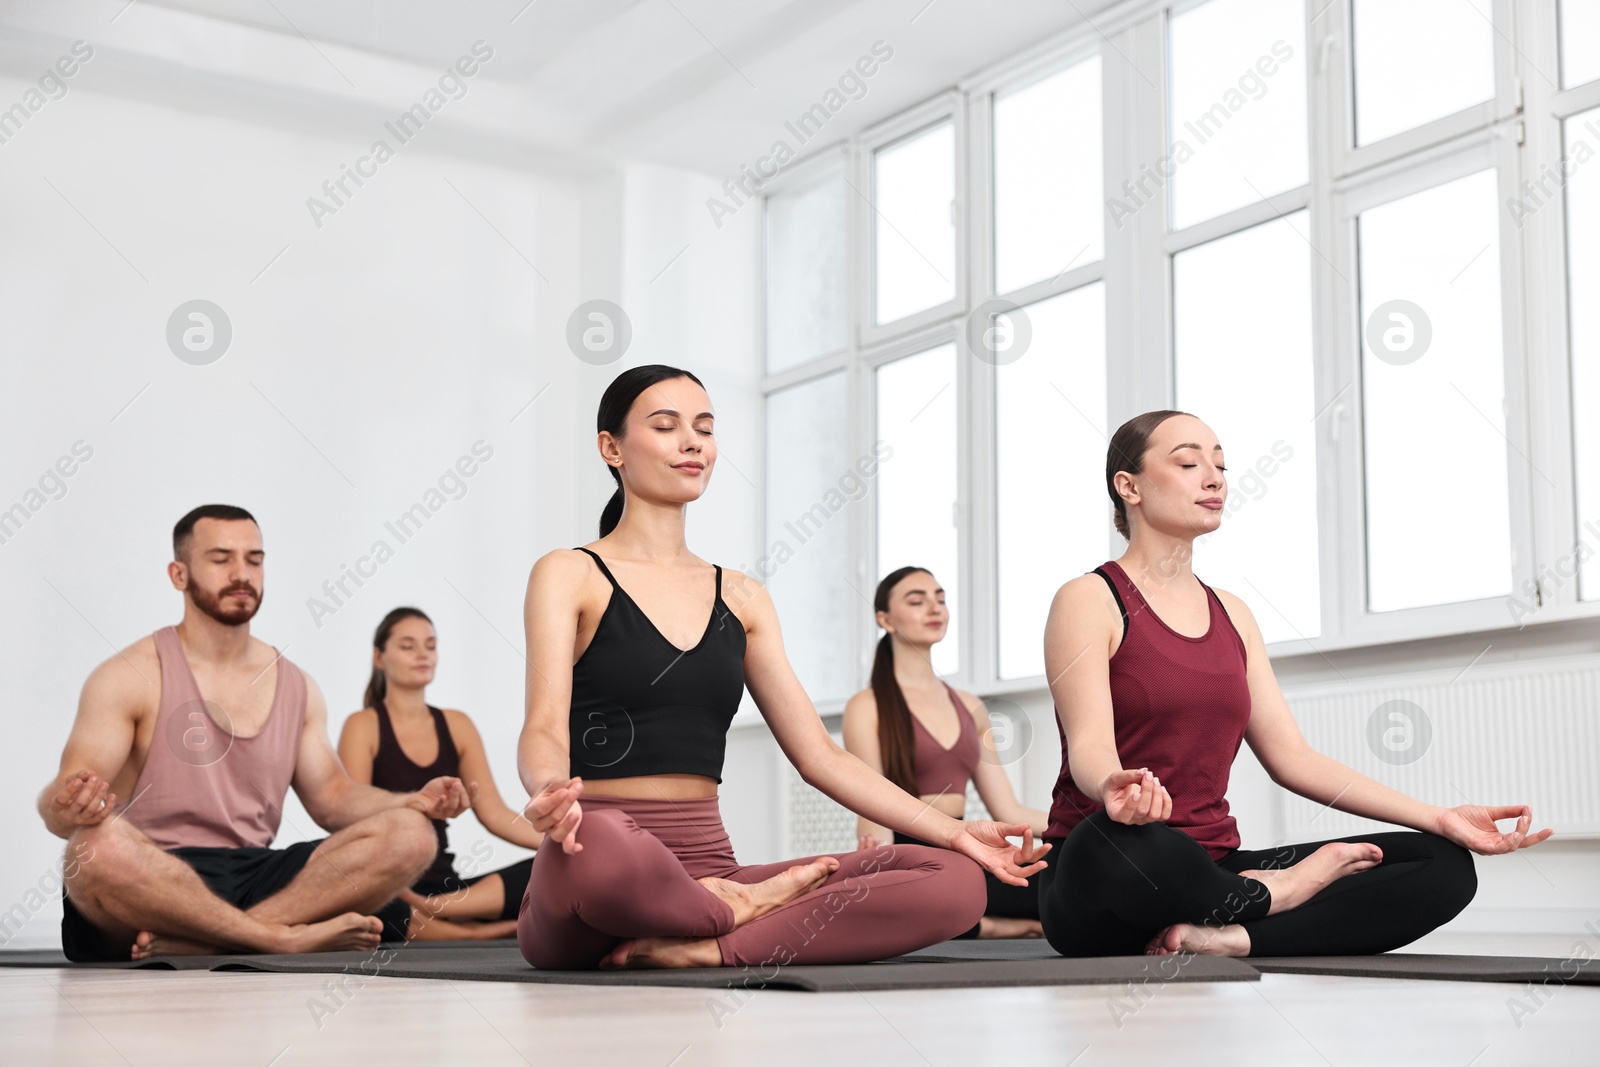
376,746
1157,678
904,744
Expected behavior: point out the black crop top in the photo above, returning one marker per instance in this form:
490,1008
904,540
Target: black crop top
641,705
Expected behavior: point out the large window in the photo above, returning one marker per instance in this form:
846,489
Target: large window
1433,393
806,292
1047,187
1359,238
1583,284
1580,41
916,418
1419,60
1242,341
1049,471
812,485
914,232
1237,115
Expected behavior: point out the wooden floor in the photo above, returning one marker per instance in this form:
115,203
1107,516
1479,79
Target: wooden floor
256,1020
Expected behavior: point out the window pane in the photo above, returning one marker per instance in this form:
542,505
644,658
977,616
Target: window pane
913,223
1242,347
1433,379
1052,516
1580,42
1047,160
806,231
916,402
1583,313
1418,61
806,561
1237,113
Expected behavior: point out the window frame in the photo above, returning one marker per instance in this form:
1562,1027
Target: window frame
1517,132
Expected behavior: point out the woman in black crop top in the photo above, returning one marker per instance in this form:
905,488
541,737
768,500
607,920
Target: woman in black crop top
638,653
376,746
903,743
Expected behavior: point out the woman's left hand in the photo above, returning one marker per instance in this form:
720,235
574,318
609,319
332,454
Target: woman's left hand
1472,826
985,842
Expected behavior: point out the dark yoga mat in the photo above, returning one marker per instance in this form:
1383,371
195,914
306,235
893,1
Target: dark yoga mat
1519,969
478,964
53,957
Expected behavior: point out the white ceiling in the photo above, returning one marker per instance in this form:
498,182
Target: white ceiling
703,84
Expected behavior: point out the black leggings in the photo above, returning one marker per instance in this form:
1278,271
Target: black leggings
1112,887
514,878
1006,901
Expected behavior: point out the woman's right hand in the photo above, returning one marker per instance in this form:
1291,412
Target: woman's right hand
1135,797
554,812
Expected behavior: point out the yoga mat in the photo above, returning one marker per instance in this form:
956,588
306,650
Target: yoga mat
906,972
1519,969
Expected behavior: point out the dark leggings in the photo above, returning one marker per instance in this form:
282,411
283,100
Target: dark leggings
1006,901
637,876
514,878
1113,887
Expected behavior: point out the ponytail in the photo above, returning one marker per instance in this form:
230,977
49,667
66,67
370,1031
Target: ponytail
895,743
615,404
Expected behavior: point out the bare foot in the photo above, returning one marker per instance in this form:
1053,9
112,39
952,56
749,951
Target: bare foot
1231,940
664,952
149,943
1293,886
751,901
342,933
994,926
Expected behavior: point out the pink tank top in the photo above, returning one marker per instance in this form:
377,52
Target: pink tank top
1179,706
203,786
946,770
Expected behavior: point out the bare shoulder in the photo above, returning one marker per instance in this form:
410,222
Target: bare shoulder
862,705
1238,612
460,724
747,598
564,567
129,681
1087,595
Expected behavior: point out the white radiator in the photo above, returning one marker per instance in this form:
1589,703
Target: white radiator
1512,733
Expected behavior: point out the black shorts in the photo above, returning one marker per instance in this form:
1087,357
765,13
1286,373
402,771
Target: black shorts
241,876
515,878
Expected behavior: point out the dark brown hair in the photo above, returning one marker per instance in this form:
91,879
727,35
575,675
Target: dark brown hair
183,532
378,684
615,404
896,745
1126,453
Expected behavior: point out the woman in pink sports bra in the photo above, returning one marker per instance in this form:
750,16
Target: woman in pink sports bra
908,746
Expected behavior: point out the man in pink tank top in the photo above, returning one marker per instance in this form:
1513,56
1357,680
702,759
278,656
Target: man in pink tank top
173,779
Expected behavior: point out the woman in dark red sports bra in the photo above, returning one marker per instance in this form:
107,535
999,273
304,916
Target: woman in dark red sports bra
375,746
1157,678
629,699
905,744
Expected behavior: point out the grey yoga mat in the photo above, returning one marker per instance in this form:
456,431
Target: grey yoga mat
954,964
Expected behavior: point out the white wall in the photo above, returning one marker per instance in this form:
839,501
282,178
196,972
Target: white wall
375,351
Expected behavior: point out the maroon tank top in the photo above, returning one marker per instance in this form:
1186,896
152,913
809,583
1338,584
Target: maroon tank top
946,770
393,770
1179,706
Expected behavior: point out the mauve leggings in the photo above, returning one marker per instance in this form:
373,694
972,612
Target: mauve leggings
636,877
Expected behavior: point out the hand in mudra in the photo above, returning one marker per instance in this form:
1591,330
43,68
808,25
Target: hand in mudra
1136,797
985,842
554,811
1472,826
